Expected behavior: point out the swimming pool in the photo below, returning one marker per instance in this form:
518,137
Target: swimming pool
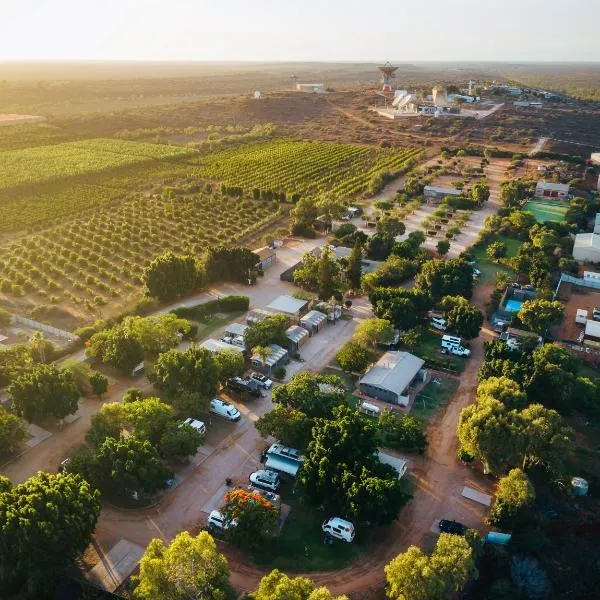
513,305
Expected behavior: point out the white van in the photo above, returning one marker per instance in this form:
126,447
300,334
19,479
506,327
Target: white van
225,410
448,341
439,323
217,520
197,425
339,528
138,369
369,409
458,351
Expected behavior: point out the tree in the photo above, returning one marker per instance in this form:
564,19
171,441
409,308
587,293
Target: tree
191,403
222,263
392,272
107,422
189,567
442,247
305,275
539,315
354,357
99,383
403,432
504,390
132,394
379,246
179,441
438,278
480,193
466,320
263,352
41,349
375,331
128,466
43,391
327,274
288,425
495,250
413,575
5,318
171,275
513,495
193,370
403,308
255,518
12,432
158,333
411,338
304,215
147,418
314,395
342,471
230,364
354,268
118,347
390,226
270,330
278,586
530,579
45,523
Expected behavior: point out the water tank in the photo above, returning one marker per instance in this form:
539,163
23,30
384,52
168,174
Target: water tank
579,486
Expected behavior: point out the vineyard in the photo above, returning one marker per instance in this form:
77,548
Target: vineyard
303,167
99,259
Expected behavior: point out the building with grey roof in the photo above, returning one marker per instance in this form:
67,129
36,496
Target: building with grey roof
391,378
279,356
288,305
213,345
313,321
297,336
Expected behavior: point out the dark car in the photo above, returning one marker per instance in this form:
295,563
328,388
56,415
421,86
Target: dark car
248,386
455,527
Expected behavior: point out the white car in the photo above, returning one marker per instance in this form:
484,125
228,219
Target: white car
197,425
439,323
262,380
271,497
339,528
218,521
265,479
224,409
458,351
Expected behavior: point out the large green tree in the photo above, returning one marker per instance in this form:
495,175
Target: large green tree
390,226
148,418
288,425
171,275
438,278
372,332
354,357
328,274
270,330
107,422
193,370
513,495
230,364
539,315
158,333
354,268
465,320
118,347
189,567
180,441
45,523
12,432
42,391
414,575
278,586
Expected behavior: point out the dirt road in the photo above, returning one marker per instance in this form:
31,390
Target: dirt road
539,145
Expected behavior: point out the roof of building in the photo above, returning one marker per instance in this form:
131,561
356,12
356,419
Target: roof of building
213,345
394,461
287,304
393,371
592,328
236,329
520,333
296,333
273,358
583,240
555,187
449,191
264,253
314,318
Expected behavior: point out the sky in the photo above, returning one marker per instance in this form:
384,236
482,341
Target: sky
301,30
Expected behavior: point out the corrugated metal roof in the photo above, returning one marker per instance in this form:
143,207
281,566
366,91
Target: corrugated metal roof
277,354
218,346
592,328
555,187
314,317
296,333
449,191
287,304
586,240
264,253
393,371
236,328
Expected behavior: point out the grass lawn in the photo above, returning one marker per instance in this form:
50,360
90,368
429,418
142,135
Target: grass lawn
486,266
547,211
433,396
208,325
429,350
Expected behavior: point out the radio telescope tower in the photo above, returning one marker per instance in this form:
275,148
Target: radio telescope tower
387,74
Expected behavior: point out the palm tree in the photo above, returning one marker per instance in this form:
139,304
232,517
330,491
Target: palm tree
263,352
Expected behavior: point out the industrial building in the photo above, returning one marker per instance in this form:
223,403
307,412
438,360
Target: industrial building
587,247
392,377
545,189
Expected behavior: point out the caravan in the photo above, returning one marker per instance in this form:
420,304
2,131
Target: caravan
283,459
453,345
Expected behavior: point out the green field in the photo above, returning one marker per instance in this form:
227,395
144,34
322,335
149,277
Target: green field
303,167
544,210
433,396
486,266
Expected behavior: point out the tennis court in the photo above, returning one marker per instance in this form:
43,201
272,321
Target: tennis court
546,210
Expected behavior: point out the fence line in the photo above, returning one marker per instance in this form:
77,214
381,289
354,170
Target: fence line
45,328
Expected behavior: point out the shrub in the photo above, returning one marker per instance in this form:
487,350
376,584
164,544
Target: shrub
279,373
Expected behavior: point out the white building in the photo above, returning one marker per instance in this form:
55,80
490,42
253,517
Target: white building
587,247
215,346
595,158
545,189
313,88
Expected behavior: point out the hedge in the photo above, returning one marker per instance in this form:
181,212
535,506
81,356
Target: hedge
225,304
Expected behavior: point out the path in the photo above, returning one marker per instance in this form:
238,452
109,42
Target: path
539,145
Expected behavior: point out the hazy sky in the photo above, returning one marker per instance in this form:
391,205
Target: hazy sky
352,30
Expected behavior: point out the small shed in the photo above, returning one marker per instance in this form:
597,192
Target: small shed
256,315
278,357
581,316
398,463
236,329
592,331
267,258
215,346
313,321
297,336
288,305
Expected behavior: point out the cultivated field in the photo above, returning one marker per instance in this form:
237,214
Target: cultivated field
306,168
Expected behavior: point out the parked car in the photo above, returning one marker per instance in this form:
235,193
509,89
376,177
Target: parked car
248,386
63,464
457,351
596,314
265,479
439,323
516,286
224,409
274,499
447,526
138,369
218,521
339,528
262,380
197,425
